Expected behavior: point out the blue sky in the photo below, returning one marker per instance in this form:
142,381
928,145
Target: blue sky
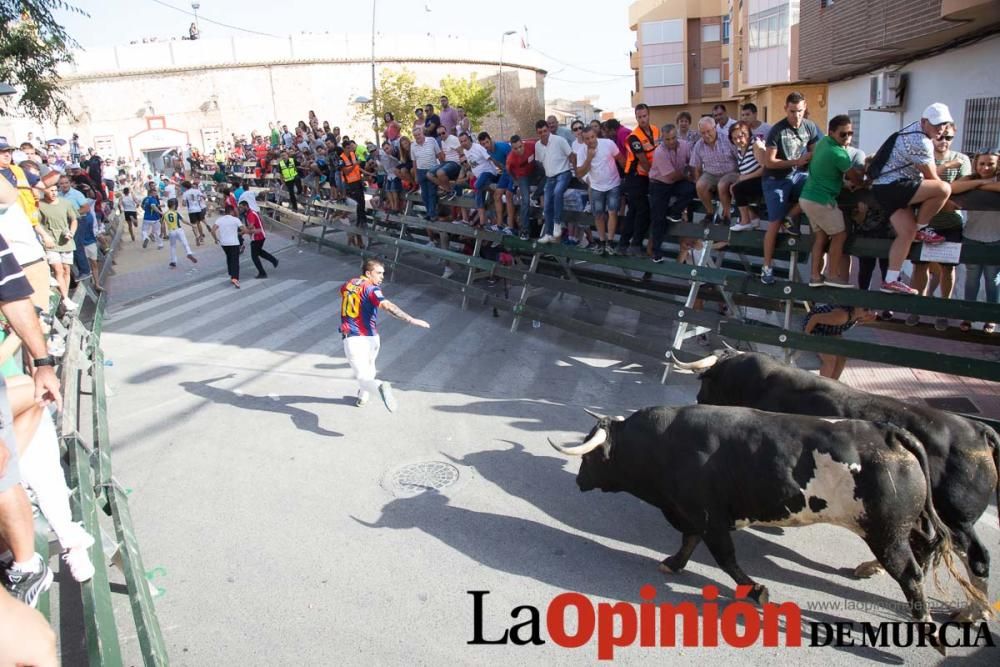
586,45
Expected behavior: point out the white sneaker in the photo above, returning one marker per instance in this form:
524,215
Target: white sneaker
557,231
584,243
448,272
737,227
56,347
74,536
69,305
546,238
80,565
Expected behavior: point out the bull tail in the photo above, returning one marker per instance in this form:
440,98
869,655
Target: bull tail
940,542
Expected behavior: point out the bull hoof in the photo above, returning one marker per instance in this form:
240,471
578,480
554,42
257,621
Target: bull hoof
971,613
868,570
665,568
759,594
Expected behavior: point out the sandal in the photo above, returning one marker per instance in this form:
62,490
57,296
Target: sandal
989,327
965,326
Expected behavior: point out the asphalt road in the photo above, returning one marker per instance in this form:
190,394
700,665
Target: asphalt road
291,527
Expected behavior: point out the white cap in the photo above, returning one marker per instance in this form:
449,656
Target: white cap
937,114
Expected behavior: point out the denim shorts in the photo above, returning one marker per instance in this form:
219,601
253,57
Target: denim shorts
393,185
602,202
451,169
781,193
505,182
483,183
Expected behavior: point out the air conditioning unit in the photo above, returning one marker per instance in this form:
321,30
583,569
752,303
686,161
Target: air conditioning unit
885,91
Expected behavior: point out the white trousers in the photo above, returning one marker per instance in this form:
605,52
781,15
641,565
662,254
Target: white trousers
151,230
42,473
361,352
175,236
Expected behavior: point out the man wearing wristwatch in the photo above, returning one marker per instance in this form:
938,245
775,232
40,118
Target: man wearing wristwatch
29,576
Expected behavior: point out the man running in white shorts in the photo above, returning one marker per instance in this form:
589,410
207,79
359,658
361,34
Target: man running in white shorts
360,299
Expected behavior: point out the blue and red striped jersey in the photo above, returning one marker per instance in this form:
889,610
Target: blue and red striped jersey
359,302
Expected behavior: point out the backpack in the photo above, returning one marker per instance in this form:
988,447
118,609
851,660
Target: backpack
882,155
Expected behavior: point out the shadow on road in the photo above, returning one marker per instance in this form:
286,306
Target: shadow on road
302,419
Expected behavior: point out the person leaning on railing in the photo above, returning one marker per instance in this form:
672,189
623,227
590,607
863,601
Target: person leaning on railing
982,228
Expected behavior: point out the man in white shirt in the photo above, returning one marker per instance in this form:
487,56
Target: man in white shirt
425,151
722,120
451,158
597,162
483,168
552,151
194,201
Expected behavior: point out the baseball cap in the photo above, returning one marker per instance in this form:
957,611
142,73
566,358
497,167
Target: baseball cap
937,114
4,146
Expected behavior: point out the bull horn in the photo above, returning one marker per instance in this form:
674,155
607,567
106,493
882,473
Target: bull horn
618,418
595,441
697,365
593,414
728,346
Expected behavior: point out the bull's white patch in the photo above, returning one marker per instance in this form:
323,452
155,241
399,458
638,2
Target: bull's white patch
833,483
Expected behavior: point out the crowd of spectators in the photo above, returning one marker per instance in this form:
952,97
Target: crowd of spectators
716,169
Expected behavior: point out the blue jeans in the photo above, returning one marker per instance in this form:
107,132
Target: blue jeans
524,189
555,187
428,192
974,274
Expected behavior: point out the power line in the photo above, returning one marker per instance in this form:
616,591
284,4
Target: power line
208,20
617,78
581,69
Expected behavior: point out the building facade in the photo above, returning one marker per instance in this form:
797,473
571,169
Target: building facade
143,100
886,61
765,56
682,56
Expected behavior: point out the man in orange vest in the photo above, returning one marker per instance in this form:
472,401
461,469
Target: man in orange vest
639,147
354,181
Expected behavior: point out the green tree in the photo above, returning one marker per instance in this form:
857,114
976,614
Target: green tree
472,94
398,92
32,46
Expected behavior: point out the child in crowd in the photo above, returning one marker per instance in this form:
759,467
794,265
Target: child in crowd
827,320
172,219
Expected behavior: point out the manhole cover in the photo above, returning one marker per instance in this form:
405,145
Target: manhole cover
419,477
953,404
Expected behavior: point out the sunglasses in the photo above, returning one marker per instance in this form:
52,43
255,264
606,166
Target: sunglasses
844,135
578,129
947,137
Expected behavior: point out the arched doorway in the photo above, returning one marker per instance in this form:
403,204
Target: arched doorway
156,147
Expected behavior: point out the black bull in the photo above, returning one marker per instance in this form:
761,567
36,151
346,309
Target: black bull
711,470
962,453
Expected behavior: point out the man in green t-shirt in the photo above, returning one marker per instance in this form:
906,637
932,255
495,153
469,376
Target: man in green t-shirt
58,220
830,164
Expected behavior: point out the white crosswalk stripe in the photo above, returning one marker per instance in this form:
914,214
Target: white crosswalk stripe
262,319
232,310
186,307
165,301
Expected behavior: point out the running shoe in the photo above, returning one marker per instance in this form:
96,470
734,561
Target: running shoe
27,586
767,275
385,391
740,227
897,287
929,236
194,260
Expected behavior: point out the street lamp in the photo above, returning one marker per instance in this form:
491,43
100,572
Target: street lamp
374,106
196,6
503,38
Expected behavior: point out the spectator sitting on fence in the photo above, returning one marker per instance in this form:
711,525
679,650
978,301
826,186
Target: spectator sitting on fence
597,161
758,128
747,189
951,165
714,161
684,130
451,158
38,451
787,152
426,158
524,172
982,228
503,191
829,165
903,176
485,171
828,320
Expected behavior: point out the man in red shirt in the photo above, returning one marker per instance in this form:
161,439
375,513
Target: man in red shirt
522,169
253,222
360,299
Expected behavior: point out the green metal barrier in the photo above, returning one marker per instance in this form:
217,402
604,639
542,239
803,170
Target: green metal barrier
93,487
